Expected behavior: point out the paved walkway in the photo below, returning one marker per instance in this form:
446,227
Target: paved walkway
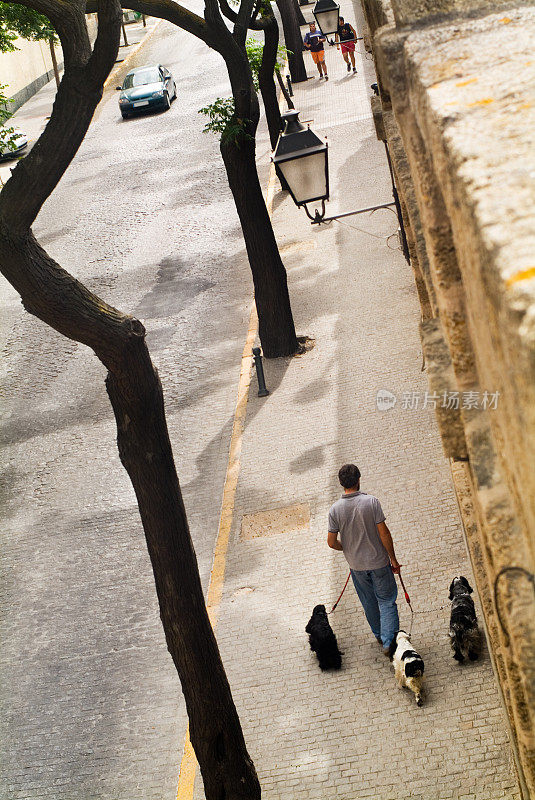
95,707
351,734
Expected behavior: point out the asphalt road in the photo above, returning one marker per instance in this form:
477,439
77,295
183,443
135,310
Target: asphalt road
91,705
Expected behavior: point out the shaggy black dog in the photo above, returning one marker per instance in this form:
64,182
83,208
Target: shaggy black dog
464,632
322,640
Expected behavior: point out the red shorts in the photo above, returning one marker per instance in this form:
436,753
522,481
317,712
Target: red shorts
348,47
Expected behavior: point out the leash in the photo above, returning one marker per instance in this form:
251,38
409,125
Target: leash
407,598
340,596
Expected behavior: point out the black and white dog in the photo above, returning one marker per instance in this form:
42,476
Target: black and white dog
322,640
465,635
408,665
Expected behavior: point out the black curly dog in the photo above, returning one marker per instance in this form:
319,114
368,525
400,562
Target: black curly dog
322,640
465,636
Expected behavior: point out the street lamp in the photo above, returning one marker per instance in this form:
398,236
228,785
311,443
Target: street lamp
327,13
301,156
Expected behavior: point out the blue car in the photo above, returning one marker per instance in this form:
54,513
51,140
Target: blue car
144,88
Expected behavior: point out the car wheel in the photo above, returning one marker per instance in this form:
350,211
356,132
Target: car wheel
166,101
123,115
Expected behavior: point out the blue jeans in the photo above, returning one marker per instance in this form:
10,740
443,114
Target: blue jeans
377,591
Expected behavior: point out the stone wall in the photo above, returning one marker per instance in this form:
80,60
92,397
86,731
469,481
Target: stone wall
457,109
26,70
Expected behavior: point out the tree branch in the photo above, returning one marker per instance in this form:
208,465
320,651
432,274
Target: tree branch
243,21
35,177
170,11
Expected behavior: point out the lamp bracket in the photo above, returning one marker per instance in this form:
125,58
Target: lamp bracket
318,217
332,42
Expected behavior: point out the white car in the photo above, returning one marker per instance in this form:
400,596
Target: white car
20,142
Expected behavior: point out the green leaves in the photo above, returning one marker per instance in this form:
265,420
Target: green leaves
223,121
7,135
16,20
221,112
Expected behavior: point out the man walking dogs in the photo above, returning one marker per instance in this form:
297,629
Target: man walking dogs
357,527
313,41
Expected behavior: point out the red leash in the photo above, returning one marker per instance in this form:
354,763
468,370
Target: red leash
407,598
341,593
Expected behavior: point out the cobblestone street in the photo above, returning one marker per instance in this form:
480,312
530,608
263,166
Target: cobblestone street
92,705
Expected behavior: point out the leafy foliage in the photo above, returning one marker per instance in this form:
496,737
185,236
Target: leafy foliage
254,50
222,120
16,20
221,111
7,134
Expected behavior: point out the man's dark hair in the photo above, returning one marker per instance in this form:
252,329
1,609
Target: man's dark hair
349,475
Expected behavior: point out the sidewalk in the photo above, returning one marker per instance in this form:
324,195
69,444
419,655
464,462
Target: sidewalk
353,734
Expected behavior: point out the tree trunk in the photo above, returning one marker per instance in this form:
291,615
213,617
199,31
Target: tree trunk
54,61
136,396
268,90
59,300
266,80
300,18
292,40
275,320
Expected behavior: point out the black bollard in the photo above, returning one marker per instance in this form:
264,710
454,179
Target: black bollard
262,391
289,85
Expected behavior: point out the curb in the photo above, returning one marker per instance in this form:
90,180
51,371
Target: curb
130,55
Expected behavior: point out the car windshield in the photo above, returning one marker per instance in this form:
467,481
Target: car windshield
142,78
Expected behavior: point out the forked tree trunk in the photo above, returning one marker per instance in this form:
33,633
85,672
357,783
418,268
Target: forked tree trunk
59,300
292,40
275,321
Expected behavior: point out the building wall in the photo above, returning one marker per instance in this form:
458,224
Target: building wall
457,108
27,69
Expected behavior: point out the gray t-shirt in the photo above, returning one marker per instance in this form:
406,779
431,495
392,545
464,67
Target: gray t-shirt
355,516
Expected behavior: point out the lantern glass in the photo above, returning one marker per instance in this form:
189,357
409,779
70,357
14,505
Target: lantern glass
327,13
307,176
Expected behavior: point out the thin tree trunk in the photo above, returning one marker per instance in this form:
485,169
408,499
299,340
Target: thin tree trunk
268,90
300,18
59,300
292,40
54,61
266,80
124,34
275,320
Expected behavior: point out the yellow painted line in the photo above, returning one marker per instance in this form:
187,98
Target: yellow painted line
523,275
465,83
188,764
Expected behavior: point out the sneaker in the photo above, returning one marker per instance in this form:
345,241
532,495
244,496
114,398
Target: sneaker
326,77
354,69
349,67
321,77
